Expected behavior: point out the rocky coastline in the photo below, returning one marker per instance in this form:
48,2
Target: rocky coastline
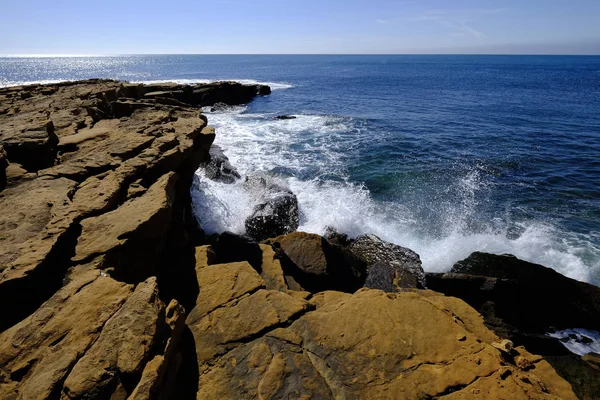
112,290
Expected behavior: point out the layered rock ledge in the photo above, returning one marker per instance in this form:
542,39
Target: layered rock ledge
113,292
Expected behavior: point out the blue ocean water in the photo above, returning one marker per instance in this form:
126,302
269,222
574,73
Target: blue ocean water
443,154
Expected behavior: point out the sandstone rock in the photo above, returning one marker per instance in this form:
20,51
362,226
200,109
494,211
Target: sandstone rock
403,265
38,353
3,165
116,234
31,143
344,349
271,270
123,347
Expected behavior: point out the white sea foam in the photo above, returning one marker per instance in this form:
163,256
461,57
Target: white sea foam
7,83
273,85
579,341
313,146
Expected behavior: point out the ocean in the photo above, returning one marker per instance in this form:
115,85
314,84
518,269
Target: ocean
445,155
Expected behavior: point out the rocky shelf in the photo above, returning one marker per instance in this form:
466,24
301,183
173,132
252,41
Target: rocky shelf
111,290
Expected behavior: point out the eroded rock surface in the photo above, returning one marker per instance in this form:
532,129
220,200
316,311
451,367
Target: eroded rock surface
257,343
94,180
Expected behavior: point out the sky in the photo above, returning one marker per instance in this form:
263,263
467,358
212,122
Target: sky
110,27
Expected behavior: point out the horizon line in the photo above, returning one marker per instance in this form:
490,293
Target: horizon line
62,55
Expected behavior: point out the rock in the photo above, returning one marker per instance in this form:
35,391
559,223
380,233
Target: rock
344,349
521,295
309,261
233,248
284,117
116,235
403,267
219,107
219,168
523,301
276,215
123,347
33,144
390,277
93,179
3,165
38,353
271,271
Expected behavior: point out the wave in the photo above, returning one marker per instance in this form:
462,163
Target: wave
308,154
273,85
579,341
7,83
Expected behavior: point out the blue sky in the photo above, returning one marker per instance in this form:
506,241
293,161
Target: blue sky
299,26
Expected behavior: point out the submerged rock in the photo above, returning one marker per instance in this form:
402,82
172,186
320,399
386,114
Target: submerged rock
276,215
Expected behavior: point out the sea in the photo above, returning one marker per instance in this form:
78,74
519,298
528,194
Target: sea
445,155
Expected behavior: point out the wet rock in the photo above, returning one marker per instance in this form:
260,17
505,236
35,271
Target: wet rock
219,107
397,264
284,117
390,277
276,215
219,168
520,294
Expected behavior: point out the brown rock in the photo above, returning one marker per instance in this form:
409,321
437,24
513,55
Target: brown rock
123,347
116,233
376,345
38,353
310,263
271,270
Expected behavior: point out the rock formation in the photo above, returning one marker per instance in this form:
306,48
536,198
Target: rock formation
112,292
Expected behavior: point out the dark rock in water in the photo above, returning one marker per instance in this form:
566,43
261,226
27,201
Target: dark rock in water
219,107
316,265
402,265
263,90
234,248
334,237
285,117
390,277
277,215
527,296
219,168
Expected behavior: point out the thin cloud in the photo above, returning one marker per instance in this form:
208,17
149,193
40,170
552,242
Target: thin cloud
382,21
